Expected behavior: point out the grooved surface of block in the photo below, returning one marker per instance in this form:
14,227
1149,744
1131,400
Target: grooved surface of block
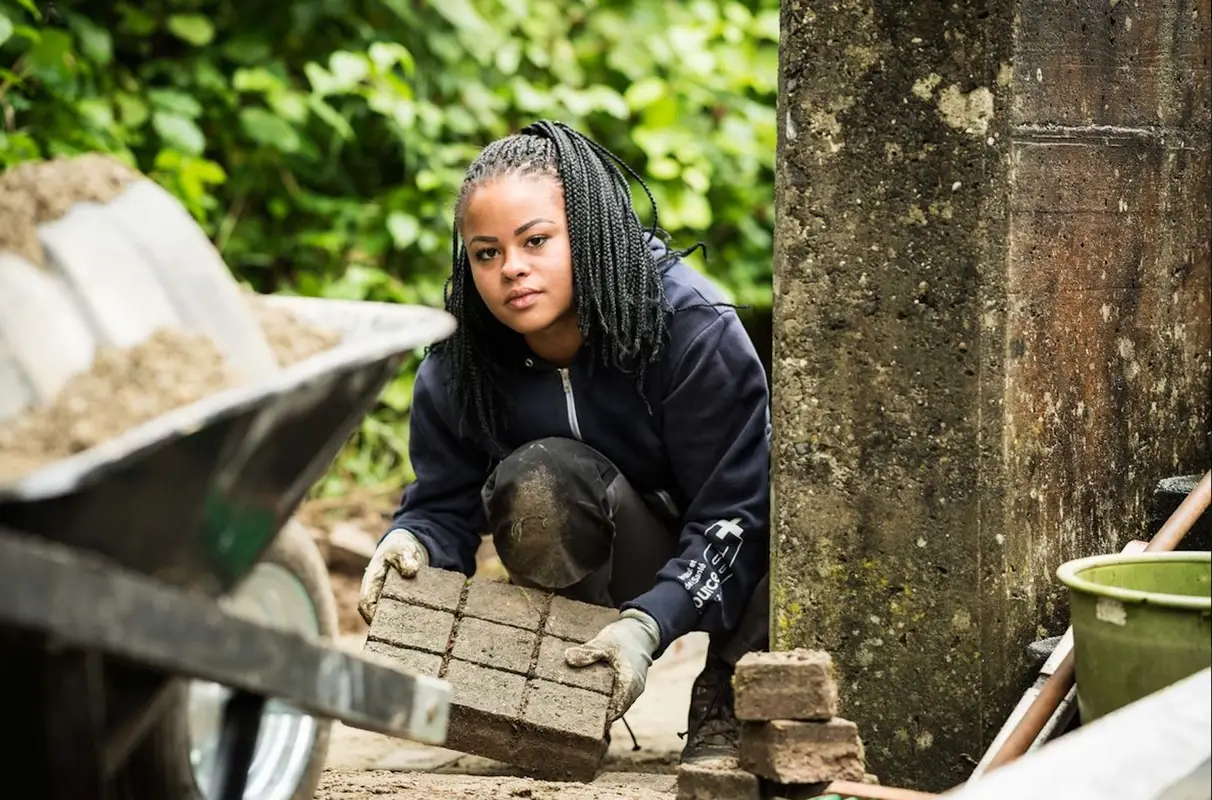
551,667
412,627
802,752
510,700
494,645
506,604
414,661
433,588
486,689
578,712
580,622
793,684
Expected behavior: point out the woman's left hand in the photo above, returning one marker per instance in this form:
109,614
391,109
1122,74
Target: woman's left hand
627,644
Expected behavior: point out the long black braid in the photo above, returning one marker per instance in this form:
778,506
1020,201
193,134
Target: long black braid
618,289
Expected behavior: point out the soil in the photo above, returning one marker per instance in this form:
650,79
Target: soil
345,785
36,192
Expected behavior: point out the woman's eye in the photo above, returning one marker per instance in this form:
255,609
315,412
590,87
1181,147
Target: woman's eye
486,254
536,241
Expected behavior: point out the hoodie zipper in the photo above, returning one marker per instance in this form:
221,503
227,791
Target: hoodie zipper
571,402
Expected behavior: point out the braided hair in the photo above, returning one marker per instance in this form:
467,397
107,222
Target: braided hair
617,282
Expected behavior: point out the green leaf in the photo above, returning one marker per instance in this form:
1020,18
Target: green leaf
268,129
192,28
248,50
256,79
348,69
321,80
131,109
176,102
179,132
404,228
50,53
645,92
95,42
6,28
329,115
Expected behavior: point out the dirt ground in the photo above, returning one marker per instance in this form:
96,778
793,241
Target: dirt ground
364,765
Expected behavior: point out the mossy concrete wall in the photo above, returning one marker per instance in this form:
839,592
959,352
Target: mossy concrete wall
991,335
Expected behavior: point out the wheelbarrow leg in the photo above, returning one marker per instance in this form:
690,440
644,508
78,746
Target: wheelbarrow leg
241,724
74,703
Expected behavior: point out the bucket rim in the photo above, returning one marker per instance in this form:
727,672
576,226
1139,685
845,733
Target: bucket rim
1069,574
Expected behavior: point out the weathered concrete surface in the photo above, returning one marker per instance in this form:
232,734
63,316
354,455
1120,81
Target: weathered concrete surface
992,335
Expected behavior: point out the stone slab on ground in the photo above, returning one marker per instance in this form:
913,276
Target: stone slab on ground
718,780
791,752
792,684
500,646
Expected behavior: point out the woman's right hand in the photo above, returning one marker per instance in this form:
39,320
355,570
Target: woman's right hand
399,549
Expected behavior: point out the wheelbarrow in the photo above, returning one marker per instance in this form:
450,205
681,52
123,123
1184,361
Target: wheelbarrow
163,628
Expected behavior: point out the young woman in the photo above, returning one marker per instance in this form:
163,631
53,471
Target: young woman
602,413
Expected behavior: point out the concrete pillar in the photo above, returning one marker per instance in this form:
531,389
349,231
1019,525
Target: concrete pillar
991,335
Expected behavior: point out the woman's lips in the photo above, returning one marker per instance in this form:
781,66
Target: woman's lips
523,301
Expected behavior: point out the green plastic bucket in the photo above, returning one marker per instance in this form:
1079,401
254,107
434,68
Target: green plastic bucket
1141,622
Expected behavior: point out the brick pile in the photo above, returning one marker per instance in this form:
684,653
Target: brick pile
501,647
791,734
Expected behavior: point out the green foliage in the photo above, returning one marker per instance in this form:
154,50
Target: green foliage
320,143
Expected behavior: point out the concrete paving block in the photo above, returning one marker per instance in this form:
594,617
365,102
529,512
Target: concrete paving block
512,700
432,588
791,752
551,667
576,621
794,684
412,627
506,604
567,709
413,661
719,780
493,645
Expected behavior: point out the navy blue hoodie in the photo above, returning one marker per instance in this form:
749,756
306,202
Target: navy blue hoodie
705,447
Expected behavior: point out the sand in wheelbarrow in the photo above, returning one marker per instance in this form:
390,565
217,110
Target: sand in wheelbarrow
42,191
124,387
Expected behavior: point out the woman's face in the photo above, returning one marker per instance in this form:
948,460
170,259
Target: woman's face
516,234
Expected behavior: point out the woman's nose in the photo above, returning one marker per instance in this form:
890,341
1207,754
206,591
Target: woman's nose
514,267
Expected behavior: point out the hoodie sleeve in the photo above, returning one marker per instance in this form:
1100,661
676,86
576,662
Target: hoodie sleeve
716,423
442,506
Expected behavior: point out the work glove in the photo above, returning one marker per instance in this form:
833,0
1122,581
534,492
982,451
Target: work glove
627,644
399,549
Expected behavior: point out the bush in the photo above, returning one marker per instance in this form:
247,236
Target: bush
320,143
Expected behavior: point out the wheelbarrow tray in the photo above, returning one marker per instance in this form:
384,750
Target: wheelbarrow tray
195,496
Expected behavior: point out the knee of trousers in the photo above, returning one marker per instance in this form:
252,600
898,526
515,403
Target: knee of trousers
548,510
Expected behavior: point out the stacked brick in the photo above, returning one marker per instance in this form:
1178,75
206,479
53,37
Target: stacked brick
501,647
791,734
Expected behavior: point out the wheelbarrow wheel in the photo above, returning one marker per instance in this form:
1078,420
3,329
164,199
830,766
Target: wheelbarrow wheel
289,588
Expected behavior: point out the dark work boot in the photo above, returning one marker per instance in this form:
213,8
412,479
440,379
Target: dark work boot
712,730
